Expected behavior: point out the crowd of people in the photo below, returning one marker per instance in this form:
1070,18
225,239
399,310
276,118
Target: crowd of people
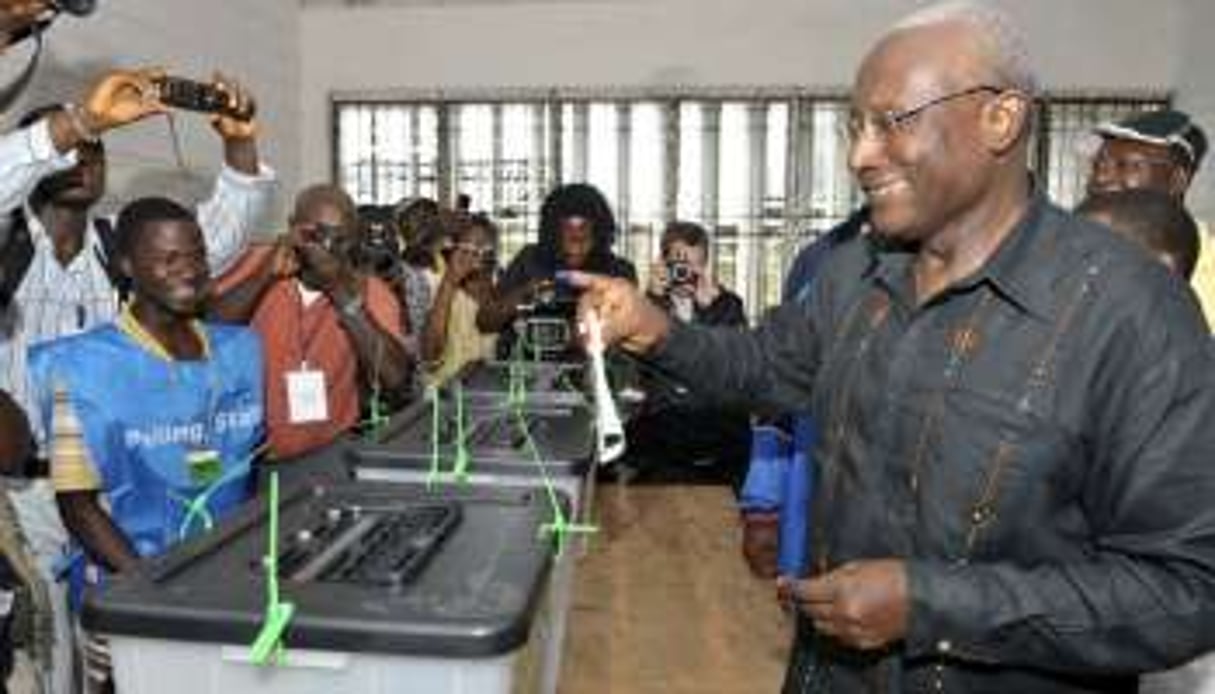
1001,405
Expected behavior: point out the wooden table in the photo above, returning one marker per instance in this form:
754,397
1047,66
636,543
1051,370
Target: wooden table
664,602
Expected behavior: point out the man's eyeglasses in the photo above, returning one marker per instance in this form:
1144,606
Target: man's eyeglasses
885,125
331,237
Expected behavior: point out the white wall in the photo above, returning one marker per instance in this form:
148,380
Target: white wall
1098,44
1195,79
255,41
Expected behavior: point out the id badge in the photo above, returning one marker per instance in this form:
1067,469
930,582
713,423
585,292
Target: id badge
204,467
307,398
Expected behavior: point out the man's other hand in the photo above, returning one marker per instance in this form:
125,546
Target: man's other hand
862,604
761,542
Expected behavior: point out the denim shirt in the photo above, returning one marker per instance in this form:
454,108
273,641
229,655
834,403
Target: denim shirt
1037,442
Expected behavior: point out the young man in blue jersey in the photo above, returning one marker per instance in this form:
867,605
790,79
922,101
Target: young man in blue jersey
152,410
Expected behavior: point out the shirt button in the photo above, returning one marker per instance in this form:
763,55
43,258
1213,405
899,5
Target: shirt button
944,646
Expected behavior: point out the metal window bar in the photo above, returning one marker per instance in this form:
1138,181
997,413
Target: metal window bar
764,170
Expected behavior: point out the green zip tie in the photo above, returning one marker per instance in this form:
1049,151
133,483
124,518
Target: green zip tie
373,426
462,458
559,527
432,394
269,640
196,508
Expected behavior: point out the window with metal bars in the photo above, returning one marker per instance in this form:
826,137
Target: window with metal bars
765,173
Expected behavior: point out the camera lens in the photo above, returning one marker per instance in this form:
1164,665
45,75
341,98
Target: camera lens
679,272
80,8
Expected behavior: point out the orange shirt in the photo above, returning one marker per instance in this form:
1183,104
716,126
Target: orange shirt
293,335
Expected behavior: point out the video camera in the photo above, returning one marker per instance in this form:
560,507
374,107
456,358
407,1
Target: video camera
547,324
379,249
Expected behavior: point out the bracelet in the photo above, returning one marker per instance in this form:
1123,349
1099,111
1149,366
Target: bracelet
76,120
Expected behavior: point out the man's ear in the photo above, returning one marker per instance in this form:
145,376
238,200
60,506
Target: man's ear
124,264
1179,181
1006,120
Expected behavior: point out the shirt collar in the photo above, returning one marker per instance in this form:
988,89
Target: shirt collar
1017,271
1020,268
41,238
130,325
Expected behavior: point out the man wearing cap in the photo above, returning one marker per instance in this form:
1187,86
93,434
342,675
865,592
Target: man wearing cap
1158,150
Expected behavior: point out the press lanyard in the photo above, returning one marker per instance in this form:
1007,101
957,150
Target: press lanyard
304,340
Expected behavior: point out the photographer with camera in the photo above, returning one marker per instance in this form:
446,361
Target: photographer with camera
577,230
682,282
676,437
379,251
452,338
332,334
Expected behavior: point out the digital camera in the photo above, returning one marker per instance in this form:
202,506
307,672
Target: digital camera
378,250
330,237
202,97
487,256
378,253
679,272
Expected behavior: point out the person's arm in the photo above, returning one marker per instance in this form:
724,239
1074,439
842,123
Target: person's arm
244,188
93,528
27,156
771,367
495,314
725,310
76,484
372,320
16,440
49,145
434,340
236,300
516,287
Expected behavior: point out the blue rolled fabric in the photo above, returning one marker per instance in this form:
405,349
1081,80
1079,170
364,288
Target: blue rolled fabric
764,488
798,485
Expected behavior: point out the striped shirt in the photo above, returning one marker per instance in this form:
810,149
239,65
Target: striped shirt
56,300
